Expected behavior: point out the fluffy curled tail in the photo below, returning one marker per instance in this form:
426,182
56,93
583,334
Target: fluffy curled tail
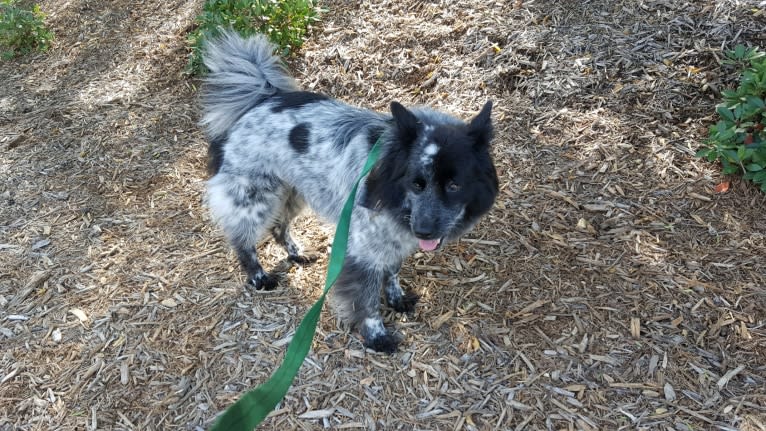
243,73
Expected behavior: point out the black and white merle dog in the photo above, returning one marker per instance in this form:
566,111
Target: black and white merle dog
274,149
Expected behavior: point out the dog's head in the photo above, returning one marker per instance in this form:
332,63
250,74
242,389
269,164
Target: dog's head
436,175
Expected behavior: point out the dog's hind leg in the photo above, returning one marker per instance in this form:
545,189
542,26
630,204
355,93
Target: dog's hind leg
256,275
291,207
356,299
403,302
245,207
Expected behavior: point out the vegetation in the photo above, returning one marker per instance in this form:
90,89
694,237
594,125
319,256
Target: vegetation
22,29
738,140
285,22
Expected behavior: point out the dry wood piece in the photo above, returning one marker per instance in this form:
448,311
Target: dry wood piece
729,375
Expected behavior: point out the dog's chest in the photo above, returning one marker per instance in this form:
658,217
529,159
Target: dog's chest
379,239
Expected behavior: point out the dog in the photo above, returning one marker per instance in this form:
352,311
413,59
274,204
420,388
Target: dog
274,149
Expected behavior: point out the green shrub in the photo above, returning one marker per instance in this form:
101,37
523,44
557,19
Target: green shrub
738,140
285,22
22,29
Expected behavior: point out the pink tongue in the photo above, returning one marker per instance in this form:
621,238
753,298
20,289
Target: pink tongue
428,244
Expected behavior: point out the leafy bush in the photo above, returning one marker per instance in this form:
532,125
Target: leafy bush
738,140
285,22
22,29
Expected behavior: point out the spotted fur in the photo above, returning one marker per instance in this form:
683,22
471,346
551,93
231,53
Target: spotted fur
275,149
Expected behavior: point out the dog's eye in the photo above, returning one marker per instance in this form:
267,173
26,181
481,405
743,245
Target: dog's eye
419,184
453,187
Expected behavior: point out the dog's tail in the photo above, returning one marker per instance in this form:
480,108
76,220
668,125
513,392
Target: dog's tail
243,73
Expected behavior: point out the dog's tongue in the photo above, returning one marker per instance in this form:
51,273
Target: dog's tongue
428,244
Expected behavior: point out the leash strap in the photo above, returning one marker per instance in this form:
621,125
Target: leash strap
254,406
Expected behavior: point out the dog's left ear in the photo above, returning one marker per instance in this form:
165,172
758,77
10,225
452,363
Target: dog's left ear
406,122
480,128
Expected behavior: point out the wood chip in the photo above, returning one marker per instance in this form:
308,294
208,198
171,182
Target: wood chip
441,320
169,302
41,244
317,414
635,327
700,197
79,314
605,358
724,380
670,393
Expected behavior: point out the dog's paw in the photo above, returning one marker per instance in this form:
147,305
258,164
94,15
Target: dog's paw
405,303
385,343
263,282
305,258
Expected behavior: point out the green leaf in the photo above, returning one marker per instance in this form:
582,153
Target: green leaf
739,111
725,112
755,101
727,134
741,154
754,167
739,52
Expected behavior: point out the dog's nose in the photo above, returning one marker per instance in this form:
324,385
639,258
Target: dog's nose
423,233
424,229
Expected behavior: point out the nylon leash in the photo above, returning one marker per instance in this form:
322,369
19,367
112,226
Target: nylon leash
250,410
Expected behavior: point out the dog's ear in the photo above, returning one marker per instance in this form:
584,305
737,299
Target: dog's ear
406,122
480,128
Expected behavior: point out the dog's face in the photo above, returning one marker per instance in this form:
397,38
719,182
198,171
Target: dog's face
437,176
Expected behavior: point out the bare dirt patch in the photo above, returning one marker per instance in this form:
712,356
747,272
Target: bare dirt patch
610,287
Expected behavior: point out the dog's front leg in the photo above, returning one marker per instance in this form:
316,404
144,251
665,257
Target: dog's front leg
356,299
400,301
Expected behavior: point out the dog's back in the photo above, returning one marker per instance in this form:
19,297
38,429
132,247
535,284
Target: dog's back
257,119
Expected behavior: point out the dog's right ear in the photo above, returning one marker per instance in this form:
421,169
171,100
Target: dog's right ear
406,122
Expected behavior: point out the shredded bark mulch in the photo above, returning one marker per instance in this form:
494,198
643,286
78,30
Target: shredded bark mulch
609,288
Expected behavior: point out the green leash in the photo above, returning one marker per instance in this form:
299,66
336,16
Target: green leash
255,405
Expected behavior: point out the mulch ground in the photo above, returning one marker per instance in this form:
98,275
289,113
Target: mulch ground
609,288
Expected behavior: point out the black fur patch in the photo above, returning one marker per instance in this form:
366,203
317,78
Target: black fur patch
256,276
405,303
349,127
215,154
387,343
465,160
299,138
373,135
385,183
295,100
480,128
